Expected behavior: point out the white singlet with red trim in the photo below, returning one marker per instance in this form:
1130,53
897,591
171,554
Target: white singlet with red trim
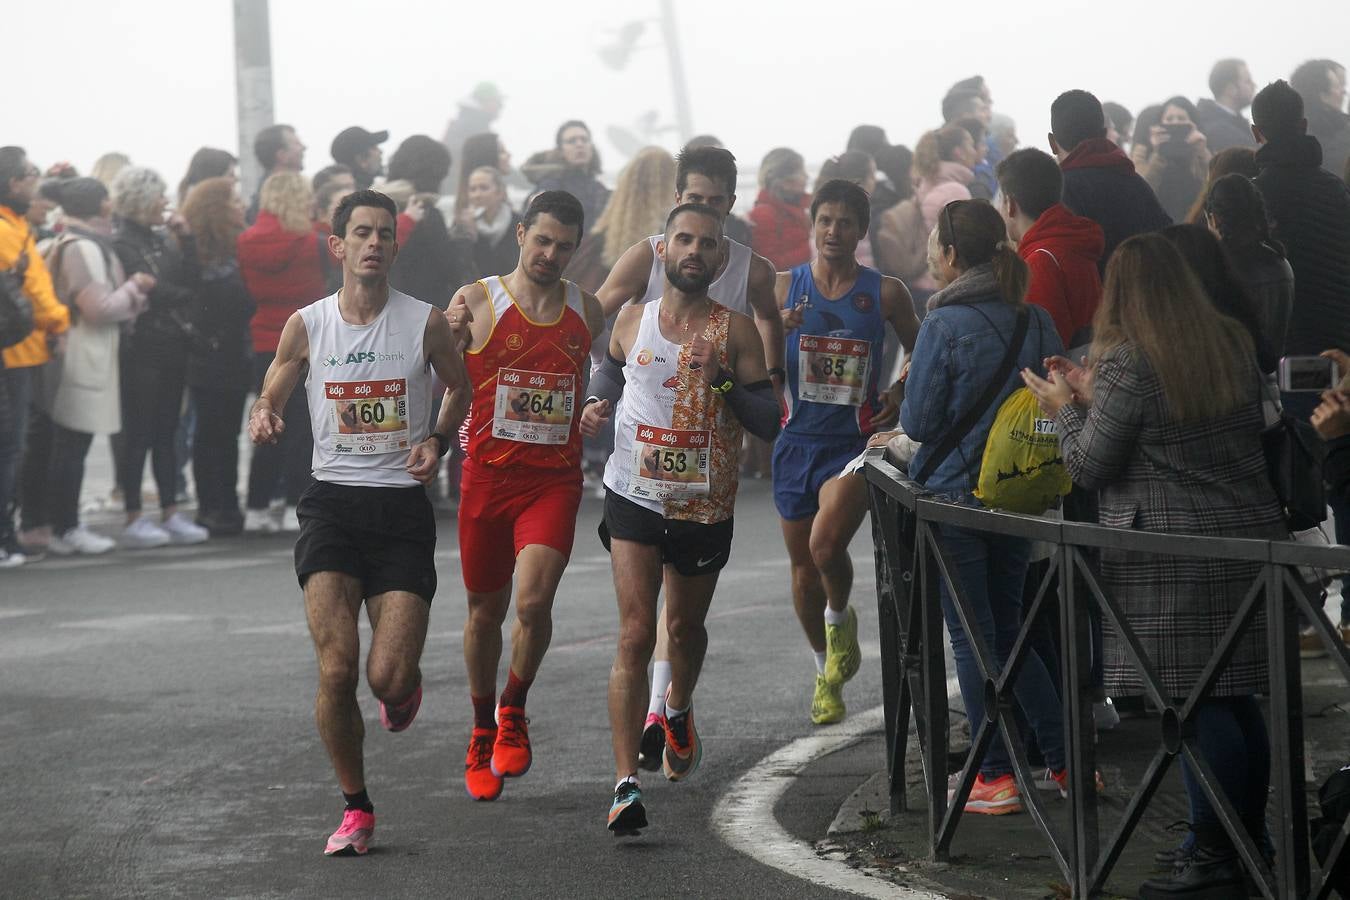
369,390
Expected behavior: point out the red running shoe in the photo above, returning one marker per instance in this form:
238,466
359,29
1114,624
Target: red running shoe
479,779
511,755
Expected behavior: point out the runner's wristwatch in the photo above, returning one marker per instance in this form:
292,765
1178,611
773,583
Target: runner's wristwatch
724,382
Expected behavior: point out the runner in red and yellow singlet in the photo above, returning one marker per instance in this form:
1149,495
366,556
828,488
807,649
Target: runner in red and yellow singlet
527,339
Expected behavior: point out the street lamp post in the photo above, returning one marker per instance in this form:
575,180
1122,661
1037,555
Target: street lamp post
253,84
684,117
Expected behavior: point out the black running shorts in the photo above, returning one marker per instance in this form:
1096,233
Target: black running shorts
691,547
383,536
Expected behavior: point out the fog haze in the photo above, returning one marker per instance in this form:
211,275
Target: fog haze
155,79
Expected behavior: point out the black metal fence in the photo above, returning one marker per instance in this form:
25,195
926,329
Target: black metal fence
911,563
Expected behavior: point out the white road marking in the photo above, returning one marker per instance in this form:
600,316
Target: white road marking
130,622
745,818
15,613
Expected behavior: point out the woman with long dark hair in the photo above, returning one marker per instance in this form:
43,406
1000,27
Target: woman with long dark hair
962,341
1174,158
207,162
1164,456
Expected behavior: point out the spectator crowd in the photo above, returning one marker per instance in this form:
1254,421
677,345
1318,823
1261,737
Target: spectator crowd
1173,260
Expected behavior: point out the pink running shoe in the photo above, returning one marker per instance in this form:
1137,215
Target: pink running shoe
397,718
351,839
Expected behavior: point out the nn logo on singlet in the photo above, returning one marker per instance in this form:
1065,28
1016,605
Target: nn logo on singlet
365,356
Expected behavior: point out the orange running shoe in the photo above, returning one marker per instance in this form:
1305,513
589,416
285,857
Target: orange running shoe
994,798
511,755
479,779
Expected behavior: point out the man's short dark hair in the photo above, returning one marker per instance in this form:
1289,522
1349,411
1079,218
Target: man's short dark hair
870,139
1033,179
421,159
974,127
837,190
1224,73
1277,110
703,140
1311,79
716,163
1121,118
698,209
1076,116
558,204
269,142
328,173
960,102
361,198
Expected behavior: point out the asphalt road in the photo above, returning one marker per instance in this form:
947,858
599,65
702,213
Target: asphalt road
157,736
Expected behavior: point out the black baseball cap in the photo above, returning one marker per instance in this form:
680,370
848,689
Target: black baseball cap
352,142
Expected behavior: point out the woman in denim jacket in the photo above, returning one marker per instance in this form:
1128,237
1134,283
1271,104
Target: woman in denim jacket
960,346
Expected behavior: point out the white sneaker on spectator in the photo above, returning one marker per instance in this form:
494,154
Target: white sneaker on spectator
260,521
80,540
183,530
143,534
11,560
289,520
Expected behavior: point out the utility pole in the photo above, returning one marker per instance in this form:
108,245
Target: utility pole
253,84
684,117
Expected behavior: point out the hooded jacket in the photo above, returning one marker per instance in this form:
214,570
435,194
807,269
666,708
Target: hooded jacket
1063,252
1100,183
781,231
50,315
1310,209
283,271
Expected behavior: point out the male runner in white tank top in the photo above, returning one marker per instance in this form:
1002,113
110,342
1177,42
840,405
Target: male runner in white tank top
367,532
687,375
743,282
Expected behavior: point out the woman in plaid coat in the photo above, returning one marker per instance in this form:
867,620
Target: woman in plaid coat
1166,425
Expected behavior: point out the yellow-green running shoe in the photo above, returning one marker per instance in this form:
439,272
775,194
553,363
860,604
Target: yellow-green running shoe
843,656
827,706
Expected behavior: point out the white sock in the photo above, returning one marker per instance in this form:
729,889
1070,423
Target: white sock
672,712
660,682
836,617
820,661
627,779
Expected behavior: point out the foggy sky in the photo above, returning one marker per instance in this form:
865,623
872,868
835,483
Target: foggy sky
155,78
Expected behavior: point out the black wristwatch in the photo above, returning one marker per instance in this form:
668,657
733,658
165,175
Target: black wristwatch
442,443
723,384
776,372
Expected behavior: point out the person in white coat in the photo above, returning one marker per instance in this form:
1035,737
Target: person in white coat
79,397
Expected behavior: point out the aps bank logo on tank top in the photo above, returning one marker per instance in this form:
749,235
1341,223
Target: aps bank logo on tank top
334,360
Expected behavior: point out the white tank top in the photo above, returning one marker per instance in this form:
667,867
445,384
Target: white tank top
370,391
728,289
676,442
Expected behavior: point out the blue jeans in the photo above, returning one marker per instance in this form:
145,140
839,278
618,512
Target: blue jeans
1232,737
15,388
1300,405
991,570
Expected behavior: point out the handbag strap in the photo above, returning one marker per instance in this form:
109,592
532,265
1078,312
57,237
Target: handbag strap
963,425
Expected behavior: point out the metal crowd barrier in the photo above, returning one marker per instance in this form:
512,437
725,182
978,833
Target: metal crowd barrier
910,561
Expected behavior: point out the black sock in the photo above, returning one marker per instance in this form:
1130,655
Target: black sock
360,800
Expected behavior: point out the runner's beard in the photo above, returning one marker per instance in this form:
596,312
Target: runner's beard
688,284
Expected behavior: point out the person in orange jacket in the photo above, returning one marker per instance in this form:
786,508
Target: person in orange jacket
18,183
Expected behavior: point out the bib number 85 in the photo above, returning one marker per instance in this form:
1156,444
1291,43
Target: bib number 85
835,365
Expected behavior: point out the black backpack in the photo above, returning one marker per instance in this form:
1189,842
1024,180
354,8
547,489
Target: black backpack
16,310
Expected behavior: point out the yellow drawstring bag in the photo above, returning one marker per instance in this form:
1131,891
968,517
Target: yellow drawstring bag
1022,470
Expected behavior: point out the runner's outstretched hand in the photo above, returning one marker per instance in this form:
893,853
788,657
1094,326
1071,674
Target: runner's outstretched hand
423,461
594,417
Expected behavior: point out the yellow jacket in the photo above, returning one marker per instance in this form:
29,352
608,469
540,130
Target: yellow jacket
49,314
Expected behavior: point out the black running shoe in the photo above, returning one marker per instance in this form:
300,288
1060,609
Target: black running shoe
653,742
627,815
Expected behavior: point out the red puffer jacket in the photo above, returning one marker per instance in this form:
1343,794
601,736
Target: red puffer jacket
1062,251
283,272
781,231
